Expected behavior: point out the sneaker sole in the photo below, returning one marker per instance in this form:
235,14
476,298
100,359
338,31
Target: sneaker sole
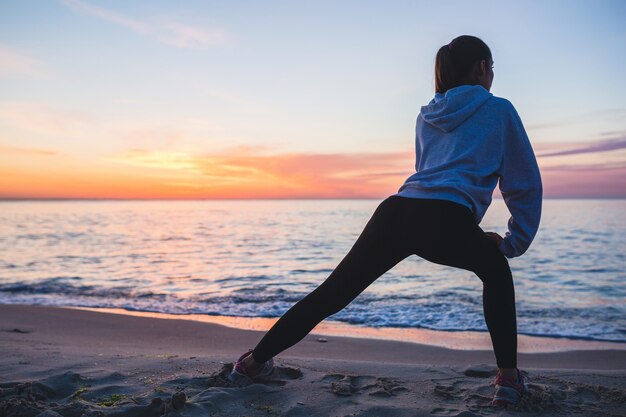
239,379
242,379
506,396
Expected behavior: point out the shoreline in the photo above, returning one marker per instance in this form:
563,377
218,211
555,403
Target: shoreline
80,330
77,362
458,340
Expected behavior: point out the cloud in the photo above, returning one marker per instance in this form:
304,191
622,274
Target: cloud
617,114
167,32
585,148
254,174
14,63
26,151
573,168
247,150
164,160
584,169
41,118
585,180
311,167
249,172
244,173
187,37
262,172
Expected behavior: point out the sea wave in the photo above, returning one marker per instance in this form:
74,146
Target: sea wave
443,310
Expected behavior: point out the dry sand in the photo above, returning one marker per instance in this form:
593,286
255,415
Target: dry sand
83,363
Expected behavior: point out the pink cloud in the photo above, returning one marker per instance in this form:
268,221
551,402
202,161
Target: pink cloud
26,151
261,172
589,147
15,63
588,181
168,32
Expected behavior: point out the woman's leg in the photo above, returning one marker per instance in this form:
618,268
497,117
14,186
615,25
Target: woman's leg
437,230
500,315
382,244
459,242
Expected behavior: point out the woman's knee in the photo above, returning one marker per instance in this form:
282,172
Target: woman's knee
332,296
496,271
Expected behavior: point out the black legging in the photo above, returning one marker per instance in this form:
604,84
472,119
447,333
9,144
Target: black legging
439,231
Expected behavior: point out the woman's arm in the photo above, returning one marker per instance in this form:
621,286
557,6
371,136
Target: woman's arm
521,188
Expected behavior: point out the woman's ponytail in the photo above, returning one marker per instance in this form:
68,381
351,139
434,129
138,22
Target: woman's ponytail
455,62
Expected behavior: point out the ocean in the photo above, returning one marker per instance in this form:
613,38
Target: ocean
256,258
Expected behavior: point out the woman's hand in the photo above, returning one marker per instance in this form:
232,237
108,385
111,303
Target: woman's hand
496,237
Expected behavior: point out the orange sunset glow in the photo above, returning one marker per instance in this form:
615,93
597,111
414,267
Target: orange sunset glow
247,174
176,175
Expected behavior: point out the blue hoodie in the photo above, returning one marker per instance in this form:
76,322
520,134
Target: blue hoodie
466,141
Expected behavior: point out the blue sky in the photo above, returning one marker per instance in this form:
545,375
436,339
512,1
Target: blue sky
95,80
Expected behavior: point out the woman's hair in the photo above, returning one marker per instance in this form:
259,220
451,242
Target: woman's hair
455,62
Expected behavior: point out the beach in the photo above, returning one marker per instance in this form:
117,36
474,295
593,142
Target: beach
178,177
87,363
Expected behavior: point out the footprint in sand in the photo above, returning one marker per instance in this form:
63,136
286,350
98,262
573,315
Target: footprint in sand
559,394
544,394
476,397
481,371
346,385
445,391
279,377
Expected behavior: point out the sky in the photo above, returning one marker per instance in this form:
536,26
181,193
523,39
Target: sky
290,99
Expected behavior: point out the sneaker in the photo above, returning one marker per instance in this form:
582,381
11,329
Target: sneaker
509,392
240,375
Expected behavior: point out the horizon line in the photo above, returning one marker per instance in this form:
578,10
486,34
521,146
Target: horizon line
35,199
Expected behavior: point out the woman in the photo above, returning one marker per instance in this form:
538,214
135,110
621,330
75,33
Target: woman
467,141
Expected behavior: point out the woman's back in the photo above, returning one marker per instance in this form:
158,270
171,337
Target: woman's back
467,140
459,145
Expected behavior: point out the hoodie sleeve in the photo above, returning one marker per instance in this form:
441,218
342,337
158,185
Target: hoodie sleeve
521,188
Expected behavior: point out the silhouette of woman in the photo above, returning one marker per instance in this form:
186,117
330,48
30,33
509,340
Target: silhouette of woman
467,142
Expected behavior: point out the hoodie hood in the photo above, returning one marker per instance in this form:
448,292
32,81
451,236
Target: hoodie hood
448,111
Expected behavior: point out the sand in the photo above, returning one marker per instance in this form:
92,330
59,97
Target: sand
68,362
